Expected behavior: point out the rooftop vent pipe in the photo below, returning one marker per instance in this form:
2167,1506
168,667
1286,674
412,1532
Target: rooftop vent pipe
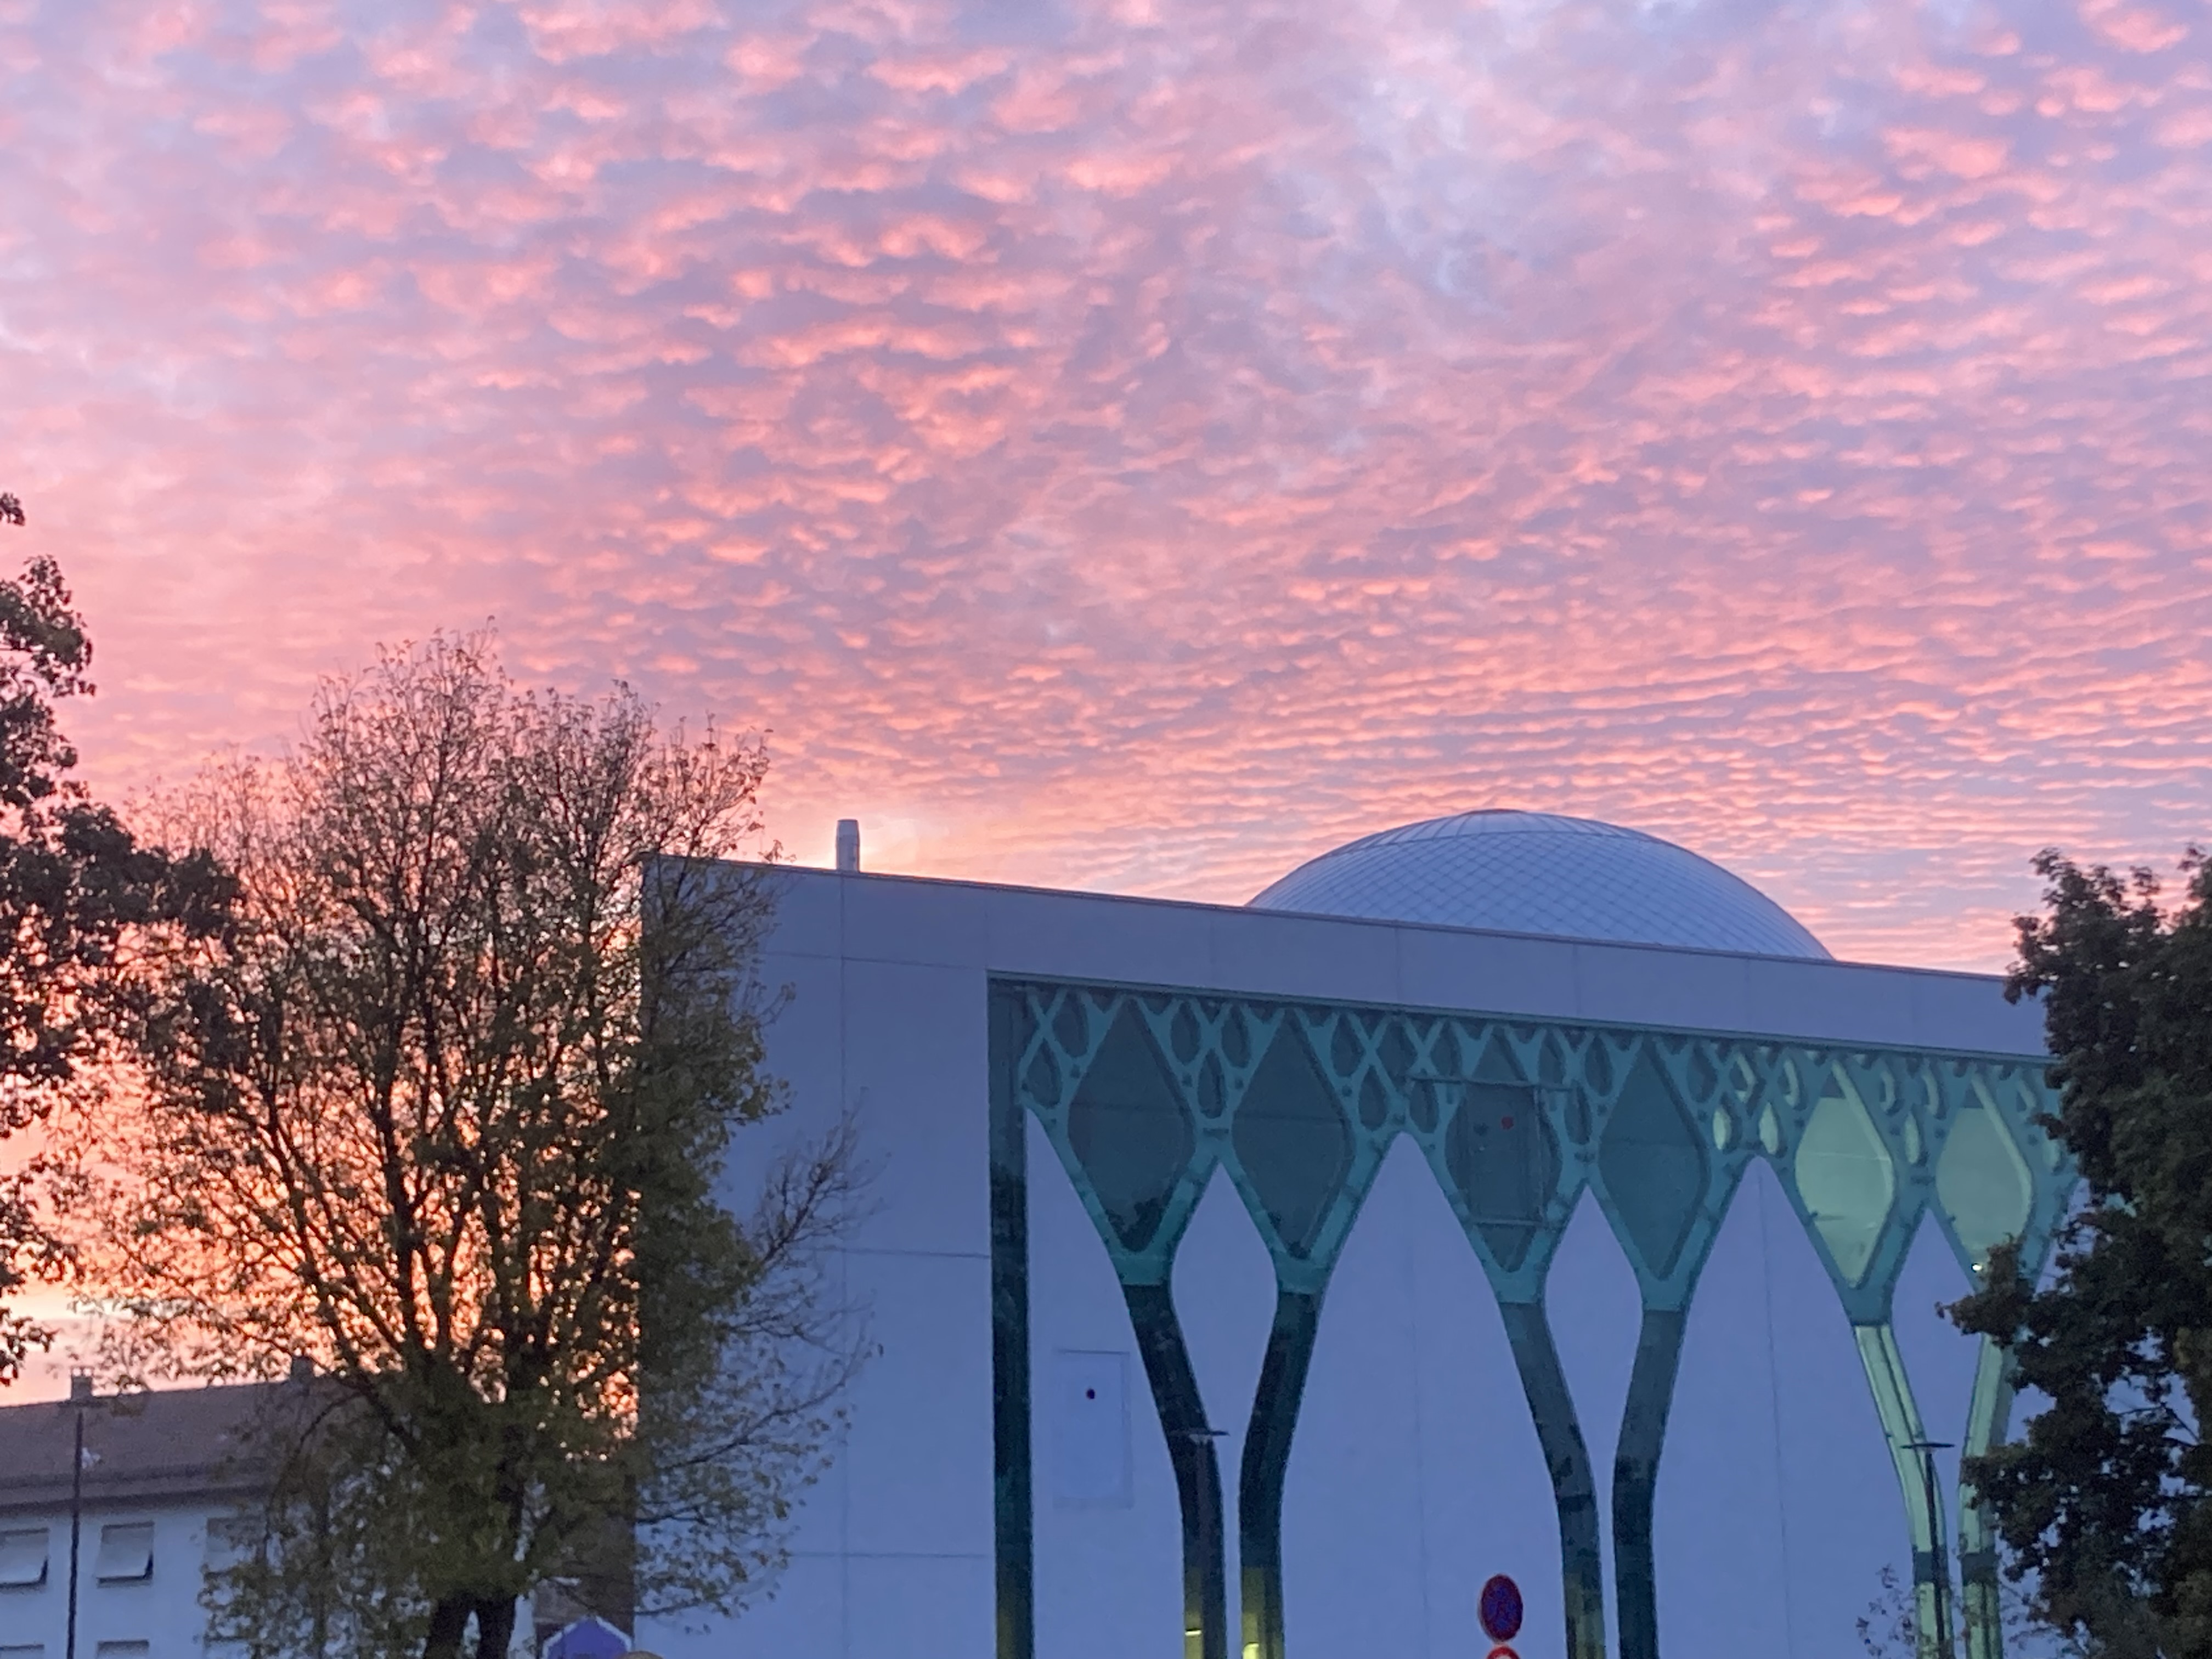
848,845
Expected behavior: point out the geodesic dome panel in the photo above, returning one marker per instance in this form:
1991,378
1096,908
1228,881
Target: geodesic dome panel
1537,872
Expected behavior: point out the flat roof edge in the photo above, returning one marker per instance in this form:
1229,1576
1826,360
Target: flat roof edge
815,870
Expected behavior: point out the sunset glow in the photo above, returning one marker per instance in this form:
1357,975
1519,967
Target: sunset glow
1137,446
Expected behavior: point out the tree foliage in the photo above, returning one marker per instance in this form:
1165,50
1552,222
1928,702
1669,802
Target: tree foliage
75,887
1890,1626
448,1107
2105,1501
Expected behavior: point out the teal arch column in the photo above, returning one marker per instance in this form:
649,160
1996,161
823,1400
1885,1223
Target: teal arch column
1934,1616
1636,1476
1998,1178
1978,1545
1574,1480
1849,1137
1268,1433
1513,1112
1013,1497
1196,1464
1305,1122
1086,1063
1672,1156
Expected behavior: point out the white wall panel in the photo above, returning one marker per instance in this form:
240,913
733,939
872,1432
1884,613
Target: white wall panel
913,1607
805,1035
1719,1538
1069,935
1354,1552
1225,1294
1305,956
810,912
889,919
1841,1519
1591,1299
1691,989
1967,1011
1496,972
1415,1473
802,1618
916,1047
918,1457
1107,1579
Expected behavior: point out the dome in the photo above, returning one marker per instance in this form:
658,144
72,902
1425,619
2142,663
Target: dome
1536,872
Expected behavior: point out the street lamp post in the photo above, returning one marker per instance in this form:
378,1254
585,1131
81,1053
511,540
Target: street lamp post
1212,1643
1944,1635
80,1399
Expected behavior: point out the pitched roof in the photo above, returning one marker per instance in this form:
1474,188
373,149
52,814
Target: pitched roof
164,1443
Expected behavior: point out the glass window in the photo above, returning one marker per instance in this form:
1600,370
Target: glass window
1982,1182
1847,1181
22,1559
1127,1127
1291,1139
231,1539
126,1553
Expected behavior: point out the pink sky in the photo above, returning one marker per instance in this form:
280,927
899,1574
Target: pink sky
1140,445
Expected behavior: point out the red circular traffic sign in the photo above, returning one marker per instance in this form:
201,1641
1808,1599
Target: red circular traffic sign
1499,1608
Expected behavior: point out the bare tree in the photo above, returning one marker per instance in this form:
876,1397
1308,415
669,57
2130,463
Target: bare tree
447,1108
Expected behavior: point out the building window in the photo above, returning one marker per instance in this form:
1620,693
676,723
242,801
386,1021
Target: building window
23,1562
126,1555
123,1650
231,1539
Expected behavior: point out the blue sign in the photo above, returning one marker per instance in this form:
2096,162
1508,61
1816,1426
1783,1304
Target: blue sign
588,1639
1499,1608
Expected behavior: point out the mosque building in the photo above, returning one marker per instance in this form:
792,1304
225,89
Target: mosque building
1502,1197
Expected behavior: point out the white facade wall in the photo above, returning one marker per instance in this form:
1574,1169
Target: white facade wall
160,1610
1415,1472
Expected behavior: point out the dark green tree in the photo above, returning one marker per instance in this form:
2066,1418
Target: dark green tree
75,888
2103,1504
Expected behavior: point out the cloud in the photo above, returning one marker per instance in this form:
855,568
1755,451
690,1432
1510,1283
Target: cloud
1139,446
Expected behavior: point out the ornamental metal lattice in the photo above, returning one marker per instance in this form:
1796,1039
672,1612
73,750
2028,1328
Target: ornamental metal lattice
1144,1092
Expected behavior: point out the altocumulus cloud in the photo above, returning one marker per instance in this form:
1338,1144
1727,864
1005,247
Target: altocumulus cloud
1138,444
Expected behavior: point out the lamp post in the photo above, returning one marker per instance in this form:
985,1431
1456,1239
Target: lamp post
81,1400
1213,1549
1943,1642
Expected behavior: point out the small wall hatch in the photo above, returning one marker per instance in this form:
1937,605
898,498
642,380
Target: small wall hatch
1087,1401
